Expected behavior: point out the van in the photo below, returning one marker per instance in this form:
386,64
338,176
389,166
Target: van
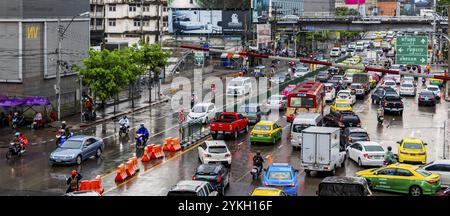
343,186
302,121
239,86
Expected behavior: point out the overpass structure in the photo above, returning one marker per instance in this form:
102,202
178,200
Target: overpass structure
355,23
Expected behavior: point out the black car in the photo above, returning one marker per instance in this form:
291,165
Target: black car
392,104
427,98
343,186
353,134
216,174
342,119
192,188
323,76
378,95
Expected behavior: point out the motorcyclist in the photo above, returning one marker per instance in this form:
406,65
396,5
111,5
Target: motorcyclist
380,112
73,181
389,157
65,128
258,161
424,80
143,132
21,140
124,122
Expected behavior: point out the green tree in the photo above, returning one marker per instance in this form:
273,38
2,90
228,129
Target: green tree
345,11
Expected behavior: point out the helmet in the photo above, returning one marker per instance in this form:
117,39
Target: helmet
258,153
124,117
17,134
389,148
142,125
74,173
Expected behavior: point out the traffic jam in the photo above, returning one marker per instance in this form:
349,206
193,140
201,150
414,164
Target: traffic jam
353,124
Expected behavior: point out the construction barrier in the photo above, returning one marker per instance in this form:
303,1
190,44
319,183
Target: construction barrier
131,167
157,152
92,185
121,173
147,153
172,144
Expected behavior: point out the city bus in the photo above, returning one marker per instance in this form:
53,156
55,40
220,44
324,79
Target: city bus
306,97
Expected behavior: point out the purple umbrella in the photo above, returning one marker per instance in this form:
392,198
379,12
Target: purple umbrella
11,102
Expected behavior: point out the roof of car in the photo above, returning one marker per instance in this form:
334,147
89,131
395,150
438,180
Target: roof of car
188,185
280,167
402,165
368,143
328,84
209,168
434,86
441,162
203,104
79,137
266,191
355,129
265,123
342,102
344,180
215,142
412,140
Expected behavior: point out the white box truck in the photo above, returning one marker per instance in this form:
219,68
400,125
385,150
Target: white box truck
321,150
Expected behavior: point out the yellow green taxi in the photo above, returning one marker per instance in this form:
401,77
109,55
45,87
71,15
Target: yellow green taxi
340,105
266,132
372,81
266,191
438,82
412,151
402,178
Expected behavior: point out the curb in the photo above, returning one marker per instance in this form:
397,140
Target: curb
83,125
196,141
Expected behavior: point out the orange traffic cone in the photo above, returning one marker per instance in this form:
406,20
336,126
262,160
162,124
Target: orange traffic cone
269,159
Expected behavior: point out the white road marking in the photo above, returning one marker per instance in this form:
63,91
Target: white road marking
280,146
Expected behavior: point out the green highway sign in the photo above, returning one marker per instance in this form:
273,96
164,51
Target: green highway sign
411,50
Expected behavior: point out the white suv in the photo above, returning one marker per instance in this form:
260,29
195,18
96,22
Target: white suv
214,151
335,52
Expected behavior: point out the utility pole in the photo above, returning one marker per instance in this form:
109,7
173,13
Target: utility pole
433,36
58,69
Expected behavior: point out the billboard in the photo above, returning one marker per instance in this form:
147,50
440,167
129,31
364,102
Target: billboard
195,21
264,33
260,10
422,3
355,2
235,21
209,4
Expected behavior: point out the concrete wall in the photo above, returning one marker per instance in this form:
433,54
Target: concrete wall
42,8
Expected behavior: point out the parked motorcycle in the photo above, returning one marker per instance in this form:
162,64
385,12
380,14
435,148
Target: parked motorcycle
14,150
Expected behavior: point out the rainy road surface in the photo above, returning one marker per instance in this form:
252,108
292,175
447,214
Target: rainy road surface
33,175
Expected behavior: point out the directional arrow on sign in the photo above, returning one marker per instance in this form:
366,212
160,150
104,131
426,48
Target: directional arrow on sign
400,50
423,41
422,60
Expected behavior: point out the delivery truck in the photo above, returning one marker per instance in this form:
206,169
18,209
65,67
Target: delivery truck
321,150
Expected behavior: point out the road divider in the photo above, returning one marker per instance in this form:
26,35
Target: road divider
92,185
127,170
156,152
172,144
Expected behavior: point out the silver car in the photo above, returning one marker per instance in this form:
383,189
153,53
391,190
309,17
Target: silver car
76,149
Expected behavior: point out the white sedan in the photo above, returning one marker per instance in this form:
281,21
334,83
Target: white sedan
204,111
435,89
366,153
346,95
407,88
214,151
277,102
441,167
301,71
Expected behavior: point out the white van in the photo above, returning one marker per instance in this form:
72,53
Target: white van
302,121
239,86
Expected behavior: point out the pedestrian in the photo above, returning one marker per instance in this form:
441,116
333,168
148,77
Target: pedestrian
73,181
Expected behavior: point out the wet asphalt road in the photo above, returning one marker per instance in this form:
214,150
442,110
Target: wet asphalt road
32,175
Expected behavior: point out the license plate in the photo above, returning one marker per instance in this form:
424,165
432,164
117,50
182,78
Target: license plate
58,161
280,187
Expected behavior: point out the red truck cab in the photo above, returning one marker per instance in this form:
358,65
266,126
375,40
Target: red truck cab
229,123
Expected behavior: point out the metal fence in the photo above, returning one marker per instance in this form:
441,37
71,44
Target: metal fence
192,131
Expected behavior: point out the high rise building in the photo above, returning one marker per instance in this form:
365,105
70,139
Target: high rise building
282,8
319,7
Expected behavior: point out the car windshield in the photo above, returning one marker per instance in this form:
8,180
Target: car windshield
407,85
433,88
236,83
301,69
335,50
423,172
416,146
298,128
374,148
248,109
389,83
427,93
343,94
280,175
262,127
72,144
355,86
336,78
217,149
359,134
289,89
199,109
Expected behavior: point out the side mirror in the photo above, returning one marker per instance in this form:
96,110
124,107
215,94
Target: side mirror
425,143
398,142
265,169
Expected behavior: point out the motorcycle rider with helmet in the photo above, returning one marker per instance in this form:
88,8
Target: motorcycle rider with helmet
389,157
142,131
124,122
258,161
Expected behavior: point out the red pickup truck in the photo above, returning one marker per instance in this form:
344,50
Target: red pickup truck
229,123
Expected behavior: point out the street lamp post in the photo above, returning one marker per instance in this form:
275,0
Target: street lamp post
61,32
81,98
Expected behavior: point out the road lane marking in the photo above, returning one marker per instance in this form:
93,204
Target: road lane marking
280,146
153,167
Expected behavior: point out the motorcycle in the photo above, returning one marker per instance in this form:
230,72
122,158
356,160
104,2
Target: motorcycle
61,137
90,116
140,142
123,129
255,172
14,149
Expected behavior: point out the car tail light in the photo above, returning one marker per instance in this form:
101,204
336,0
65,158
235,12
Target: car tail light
291,185
270,134
207,155
227,155
349,139
421,153
359,124
219,178
231,127
403,152
366,156
194,177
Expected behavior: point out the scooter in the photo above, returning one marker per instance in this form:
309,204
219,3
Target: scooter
61,137
255,172
140,142
123,129
14,149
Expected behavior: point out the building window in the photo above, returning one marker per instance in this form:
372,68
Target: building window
99,8
146,8
132,8
165,9
165,24
112,22
98,22
137,23
92,8
112,8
